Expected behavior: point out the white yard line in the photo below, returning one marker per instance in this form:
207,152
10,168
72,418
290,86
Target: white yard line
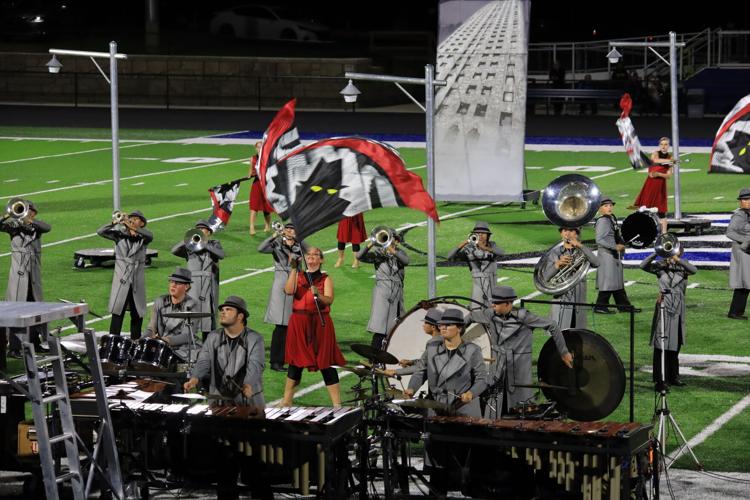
693,285
73,153
309,389
417,168
629,169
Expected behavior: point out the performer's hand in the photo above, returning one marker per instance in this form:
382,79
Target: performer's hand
409,393
652,174
620,247
165,340
575,243
405,362
568,360
467,396
190,384
675,258
315,291
389,372
247,390
293,261
563,261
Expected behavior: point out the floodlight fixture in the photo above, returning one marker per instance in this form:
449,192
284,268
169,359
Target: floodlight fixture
53,65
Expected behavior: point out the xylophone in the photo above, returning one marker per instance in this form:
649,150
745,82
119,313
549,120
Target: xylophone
593,460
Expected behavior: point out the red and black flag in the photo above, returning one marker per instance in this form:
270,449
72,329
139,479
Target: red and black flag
280,138
638,159
731,150
222,200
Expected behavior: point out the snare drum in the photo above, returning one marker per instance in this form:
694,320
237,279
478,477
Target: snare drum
114,351
407,340
154,355
640,229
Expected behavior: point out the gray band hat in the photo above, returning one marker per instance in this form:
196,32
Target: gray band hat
433,316
451,317
290,225
31,205
481,227
744,194
203,223
139,214
236,302
606,199
503,294
181,275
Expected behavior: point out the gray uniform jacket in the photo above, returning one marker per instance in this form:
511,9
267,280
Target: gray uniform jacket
388,294
739,232
672,277
420,363
130,260
204,266
510,339
176,329
25,260
248,356
560,314
483,266
609,275
279,304
450,374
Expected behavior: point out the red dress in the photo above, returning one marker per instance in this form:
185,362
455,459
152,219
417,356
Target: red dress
654,190
308,344
352,230
258,201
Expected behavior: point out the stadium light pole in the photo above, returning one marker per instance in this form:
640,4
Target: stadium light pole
429,84
672,44
54,66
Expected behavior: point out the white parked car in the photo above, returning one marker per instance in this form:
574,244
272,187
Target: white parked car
261,22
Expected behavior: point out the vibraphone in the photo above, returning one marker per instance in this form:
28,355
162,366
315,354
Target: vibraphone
591,460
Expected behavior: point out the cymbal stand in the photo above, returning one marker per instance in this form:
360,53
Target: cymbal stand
662,413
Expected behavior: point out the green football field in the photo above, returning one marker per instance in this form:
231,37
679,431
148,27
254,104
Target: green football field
67,173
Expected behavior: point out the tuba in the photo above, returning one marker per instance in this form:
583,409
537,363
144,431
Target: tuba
570,200
195,240
17,208
667,245
382,236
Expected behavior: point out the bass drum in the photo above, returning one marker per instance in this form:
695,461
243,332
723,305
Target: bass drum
407,339
640,229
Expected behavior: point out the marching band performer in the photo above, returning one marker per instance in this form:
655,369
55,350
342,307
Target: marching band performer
654,191
430,327
203,263
739,268
609,275
283,247
25,275
454,370
258,202
560,257
481,255
388,294
129,280
175,331
510,337
350,229
311,338
672,274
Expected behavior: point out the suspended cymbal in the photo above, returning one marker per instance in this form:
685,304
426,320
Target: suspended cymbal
594,387
187,315
392,392
542,385
373,354
359,371
425,404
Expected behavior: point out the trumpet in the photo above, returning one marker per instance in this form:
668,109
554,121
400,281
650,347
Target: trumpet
195,240
277,226
17,208
473,238
119,217
382,236
667,245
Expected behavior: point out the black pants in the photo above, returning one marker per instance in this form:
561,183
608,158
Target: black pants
739,301
621,298
136,322
378,341
278,345
671,366
36,332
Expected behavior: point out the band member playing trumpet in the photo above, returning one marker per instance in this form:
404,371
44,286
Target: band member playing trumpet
559,259
129,280
481,254
258,202
388,294
510,338
25,276
738,231
203,255
311,338
672,273
455,370
351,229
609,276
283,246
175,331
654,191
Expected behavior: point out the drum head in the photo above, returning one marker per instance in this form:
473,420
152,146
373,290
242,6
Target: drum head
640,229
596,383
407,339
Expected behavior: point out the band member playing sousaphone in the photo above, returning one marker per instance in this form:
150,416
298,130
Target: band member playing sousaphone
389,260
175,331
481,254
739,268
203,255
283,246
510,338
131,238
25,276
609,276
560,259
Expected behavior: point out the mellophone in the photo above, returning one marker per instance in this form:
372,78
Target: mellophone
593,459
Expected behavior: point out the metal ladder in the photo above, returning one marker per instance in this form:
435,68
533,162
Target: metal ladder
105,438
